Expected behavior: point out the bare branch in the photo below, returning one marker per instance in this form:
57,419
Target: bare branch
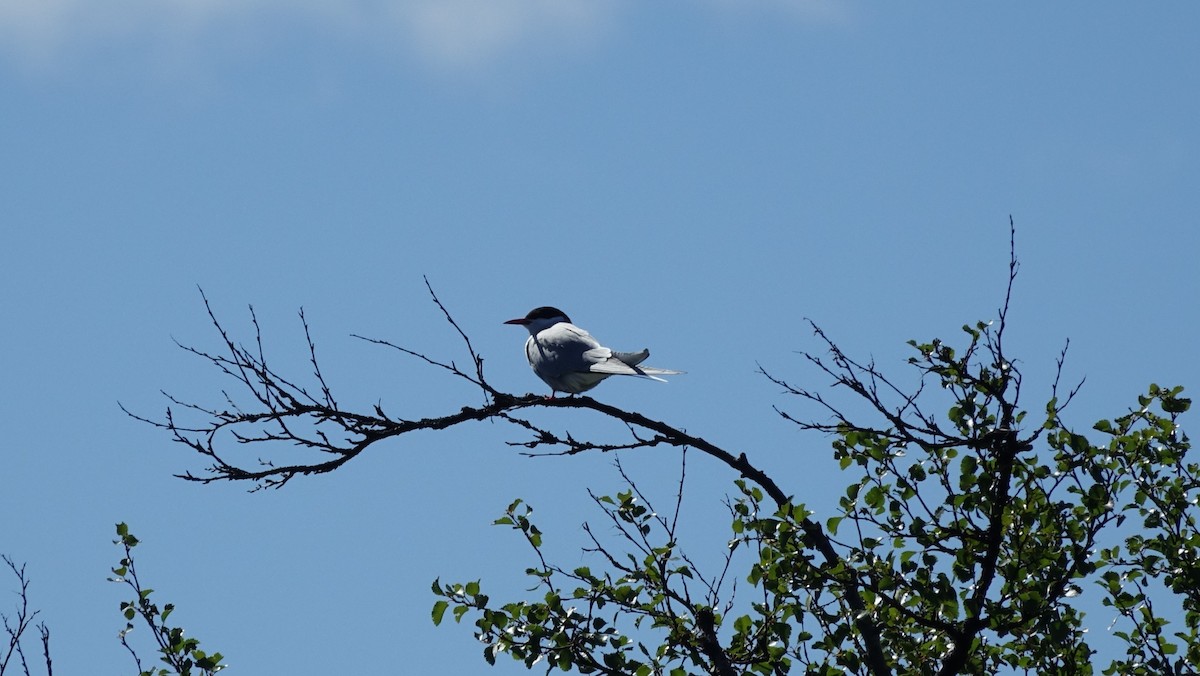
16,626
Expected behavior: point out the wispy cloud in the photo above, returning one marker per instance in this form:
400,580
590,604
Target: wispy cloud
445,33
469,32
453,34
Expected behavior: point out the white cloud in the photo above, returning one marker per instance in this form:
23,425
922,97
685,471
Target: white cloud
452,34
467,32
447,33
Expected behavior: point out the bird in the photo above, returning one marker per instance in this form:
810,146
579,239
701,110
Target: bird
570,360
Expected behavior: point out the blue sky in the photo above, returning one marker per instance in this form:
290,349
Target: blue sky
695,177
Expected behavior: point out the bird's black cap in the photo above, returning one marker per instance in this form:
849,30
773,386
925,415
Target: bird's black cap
546,312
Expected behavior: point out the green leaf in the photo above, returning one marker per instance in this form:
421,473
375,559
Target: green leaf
916,472
1176,405
969,464
832,524
874,497
439,609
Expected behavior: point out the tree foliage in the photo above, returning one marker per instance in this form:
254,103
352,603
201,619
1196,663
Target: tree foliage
179,652
970,528
964,542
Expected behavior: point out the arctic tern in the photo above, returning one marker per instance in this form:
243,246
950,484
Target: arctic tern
570,360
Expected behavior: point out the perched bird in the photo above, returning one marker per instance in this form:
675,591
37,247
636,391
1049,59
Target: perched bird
570,360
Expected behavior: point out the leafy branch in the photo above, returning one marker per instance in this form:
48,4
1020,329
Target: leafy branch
177,650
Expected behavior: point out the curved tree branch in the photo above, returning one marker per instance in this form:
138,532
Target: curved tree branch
284,414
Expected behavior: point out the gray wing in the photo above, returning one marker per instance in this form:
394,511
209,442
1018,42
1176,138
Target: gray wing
632,358
604,360
608,362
